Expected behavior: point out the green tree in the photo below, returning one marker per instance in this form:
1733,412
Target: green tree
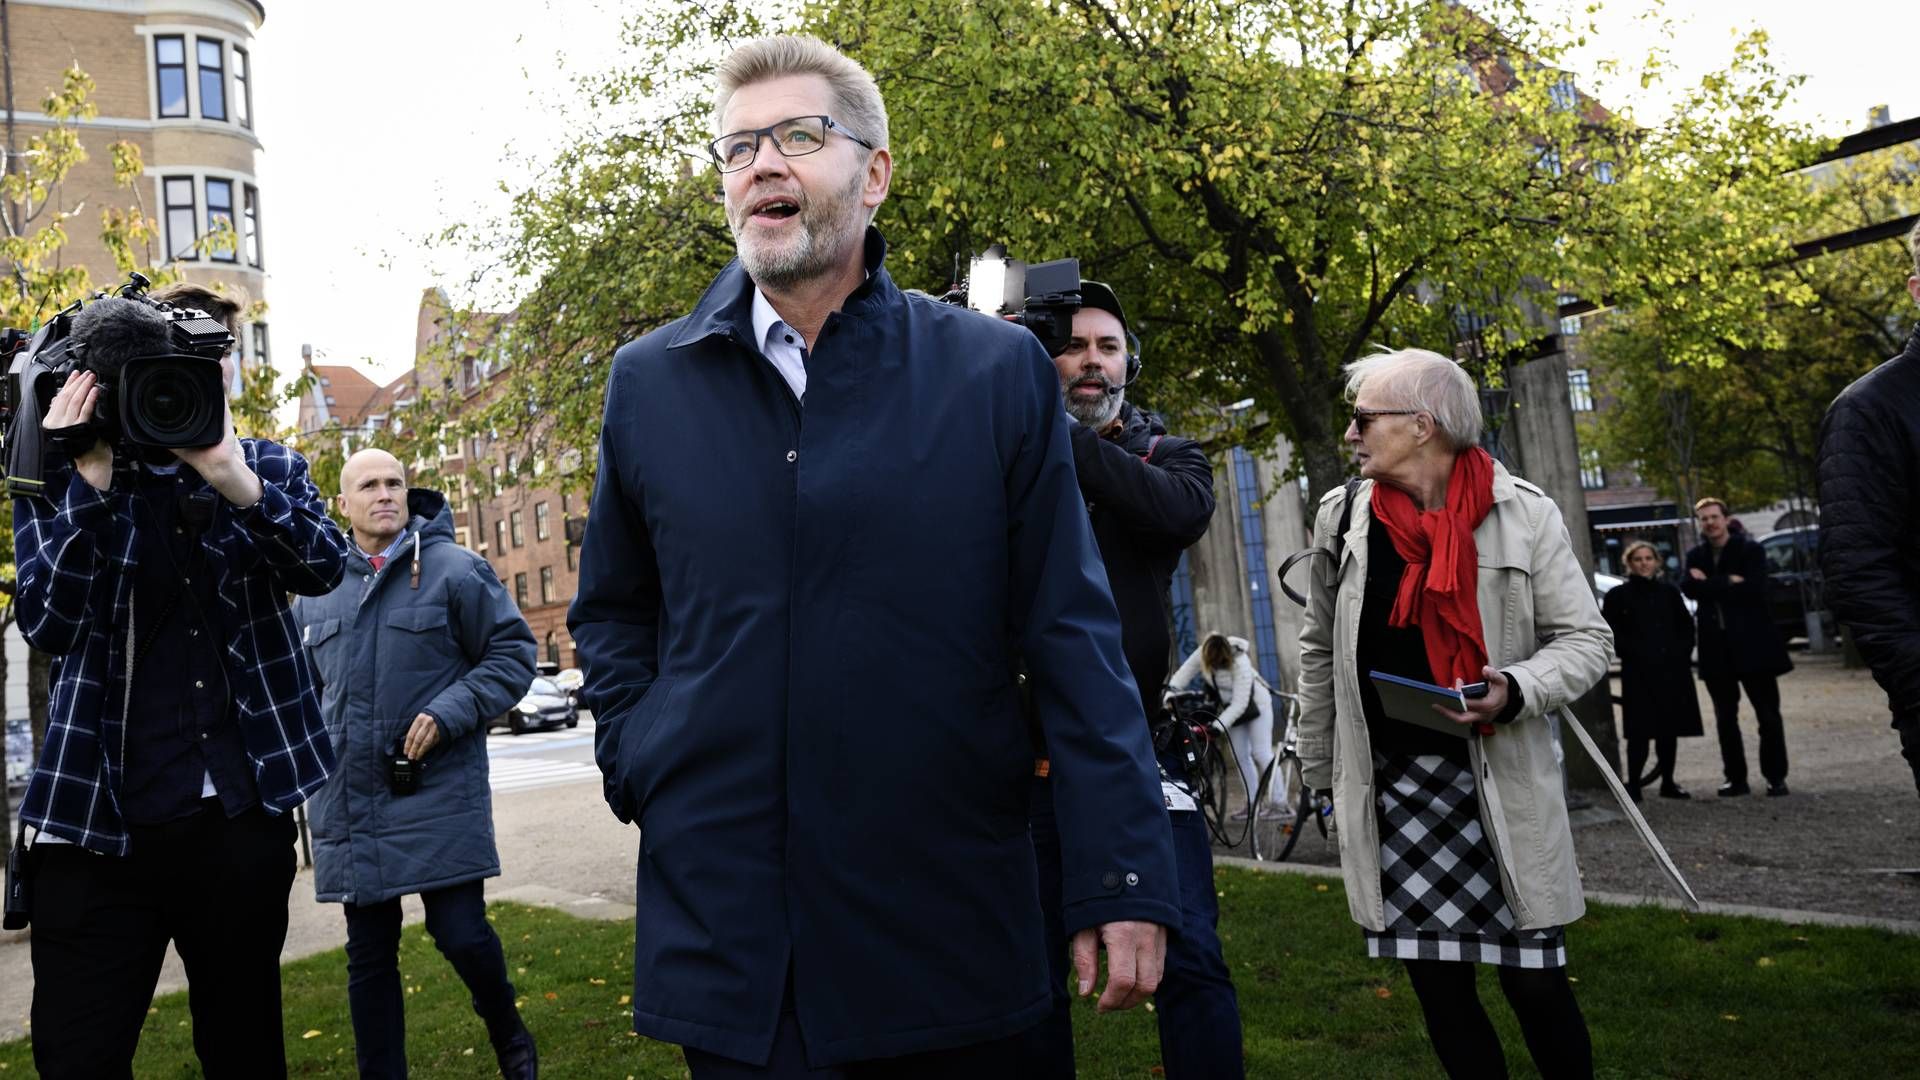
1730,402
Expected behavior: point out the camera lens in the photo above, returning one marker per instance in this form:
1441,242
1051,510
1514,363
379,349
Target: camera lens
174,401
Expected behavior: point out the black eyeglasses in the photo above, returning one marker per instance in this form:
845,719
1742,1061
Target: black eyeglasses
1363,417
795,137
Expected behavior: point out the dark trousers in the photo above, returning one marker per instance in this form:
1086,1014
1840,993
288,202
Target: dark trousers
214,886
1910,746
1463,1037
457,921
1001,1059
1763,692
1663,748
1197,1009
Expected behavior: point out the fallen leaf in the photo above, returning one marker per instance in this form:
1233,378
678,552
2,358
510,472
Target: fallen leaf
1765,961
311,1033
1320,888
1382,993
1157,1070
551,996
626,999
468,1052
598,982
1729,1016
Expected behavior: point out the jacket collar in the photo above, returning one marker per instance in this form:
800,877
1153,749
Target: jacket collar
1356,536
726,309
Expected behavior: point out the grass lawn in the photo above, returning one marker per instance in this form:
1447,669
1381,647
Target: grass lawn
1666,994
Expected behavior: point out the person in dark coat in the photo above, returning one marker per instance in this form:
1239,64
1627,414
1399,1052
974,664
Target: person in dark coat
1740,649
1150,497
1869,464
416,650
1653,636
828,517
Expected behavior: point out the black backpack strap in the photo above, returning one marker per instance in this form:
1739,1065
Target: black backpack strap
1333,554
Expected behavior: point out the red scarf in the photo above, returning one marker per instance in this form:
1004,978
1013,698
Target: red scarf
1439,592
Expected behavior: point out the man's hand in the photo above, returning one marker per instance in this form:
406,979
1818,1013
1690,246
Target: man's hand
224,467
1736,579
1697,574
1136,955
423,736
1480,710
73,406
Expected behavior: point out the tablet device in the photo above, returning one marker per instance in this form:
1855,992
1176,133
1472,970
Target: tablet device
1411,701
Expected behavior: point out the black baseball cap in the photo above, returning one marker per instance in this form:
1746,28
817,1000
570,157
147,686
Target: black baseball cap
1096,294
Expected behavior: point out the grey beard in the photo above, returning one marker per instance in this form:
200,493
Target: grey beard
816,253
1097,414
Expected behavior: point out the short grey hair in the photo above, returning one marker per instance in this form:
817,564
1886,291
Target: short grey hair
1424,381
856,97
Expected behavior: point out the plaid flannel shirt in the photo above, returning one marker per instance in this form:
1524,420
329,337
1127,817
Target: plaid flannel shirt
75,553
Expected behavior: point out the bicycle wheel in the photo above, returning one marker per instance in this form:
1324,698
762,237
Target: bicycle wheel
1281,810
1216,796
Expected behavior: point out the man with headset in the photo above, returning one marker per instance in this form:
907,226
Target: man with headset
1150,496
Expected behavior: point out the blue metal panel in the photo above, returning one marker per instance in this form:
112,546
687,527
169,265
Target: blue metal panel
1253,536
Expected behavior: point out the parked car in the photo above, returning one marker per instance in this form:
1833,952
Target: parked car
545,706
19,741
1793,565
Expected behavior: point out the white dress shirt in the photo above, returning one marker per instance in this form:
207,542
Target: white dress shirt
780,344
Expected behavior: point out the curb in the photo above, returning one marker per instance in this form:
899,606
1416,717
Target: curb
1790,916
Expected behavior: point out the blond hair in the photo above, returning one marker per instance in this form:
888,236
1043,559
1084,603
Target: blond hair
856,98
1711,501
1626,557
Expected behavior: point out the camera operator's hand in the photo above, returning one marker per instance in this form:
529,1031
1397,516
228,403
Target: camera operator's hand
224,467
71,407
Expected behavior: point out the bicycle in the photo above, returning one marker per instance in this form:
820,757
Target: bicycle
1198,711
1283,805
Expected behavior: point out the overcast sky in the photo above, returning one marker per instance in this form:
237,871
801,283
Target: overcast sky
385,122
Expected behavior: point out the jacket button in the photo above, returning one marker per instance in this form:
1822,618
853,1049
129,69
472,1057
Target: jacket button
198,685
1110,880
792,456
1133,879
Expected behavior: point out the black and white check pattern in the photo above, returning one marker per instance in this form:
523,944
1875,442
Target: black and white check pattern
76,552
1438,879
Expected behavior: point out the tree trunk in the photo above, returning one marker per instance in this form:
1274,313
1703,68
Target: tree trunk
38,666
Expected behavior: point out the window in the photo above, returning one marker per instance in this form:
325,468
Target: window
220,218
566,502
573,558
178,191
242,88
493,472
519,533
553,646
1570,326
546,584
260,351
500,535
520,589
1603,171
1549,159
542,525
213,80
1592,476
170,64
1565,96
513,464
539,464
1580,390
250,225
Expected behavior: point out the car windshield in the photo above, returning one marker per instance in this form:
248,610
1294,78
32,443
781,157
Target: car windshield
544,685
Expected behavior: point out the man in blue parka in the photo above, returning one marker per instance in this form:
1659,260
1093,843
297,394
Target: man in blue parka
828,517
416,650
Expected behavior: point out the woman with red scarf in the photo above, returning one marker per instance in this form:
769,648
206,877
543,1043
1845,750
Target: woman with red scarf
1454,843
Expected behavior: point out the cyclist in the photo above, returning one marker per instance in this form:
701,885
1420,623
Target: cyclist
1247,715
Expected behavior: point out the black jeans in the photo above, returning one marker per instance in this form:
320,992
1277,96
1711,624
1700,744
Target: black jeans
214,886
1664,751
457,921
1763,691
1910,746
1196,1006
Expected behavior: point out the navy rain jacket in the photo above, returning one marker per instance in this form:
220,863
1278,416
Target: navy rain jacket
797,628
387,647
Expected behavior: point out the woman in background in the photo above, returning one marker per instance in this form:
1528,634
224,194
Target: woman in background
1247,712
1653,635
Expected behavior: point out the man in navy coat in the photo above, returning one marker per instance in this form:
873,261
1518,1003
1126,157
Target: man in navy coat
828,517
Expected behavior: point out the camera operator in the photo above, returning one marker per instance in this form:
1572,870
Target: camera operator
1150,497
183,727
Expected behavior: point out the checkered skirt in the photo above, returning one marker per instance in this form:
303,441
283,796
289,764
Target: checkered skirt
1438,878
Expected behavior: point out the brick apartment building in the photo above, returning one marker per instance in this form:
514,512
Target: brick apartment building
517,514
174,78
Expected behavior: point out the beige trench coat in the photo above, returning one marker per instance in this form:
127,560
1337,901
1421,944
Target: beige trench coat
1543,629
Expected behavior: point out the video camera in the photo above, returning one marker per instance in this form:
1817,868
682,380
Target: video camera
165,401
1041,297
